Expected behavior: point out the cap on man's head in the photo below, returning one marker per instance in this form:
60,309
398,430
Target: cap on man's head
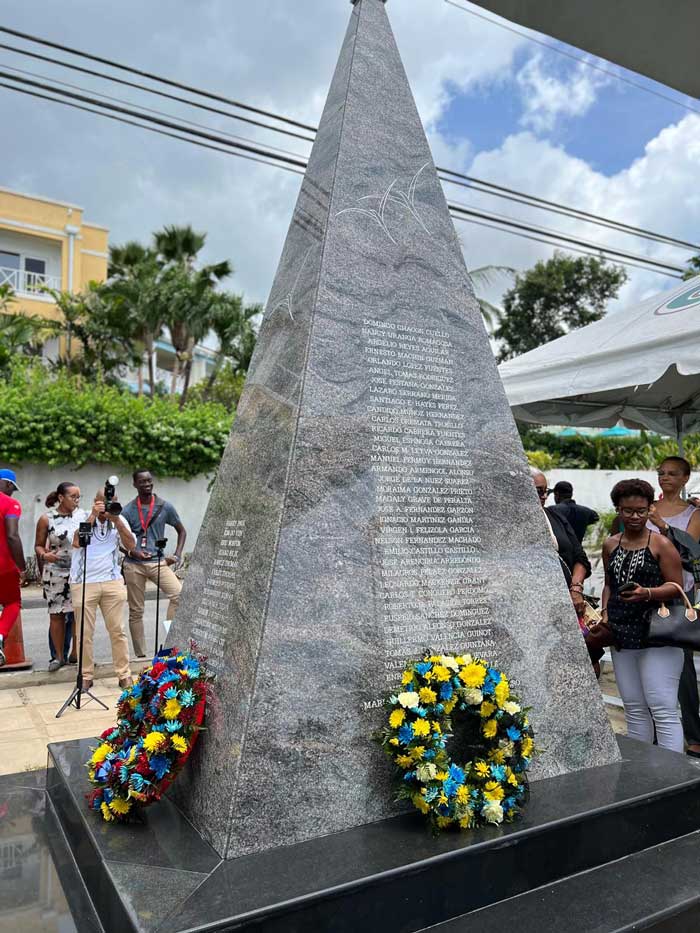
10,476
563,488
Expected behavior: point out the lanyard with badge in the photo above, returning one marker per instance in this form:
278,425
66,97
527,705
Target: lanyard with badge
147,522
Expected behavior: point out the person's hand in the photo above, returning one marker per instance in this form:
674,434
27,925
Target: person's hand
50,557
657,519
694,500
640,594
172,559
140,555
111,518
23,581
98,510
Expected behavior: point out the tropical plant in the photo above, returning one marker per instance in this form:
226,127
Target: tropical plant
133,281
553,298
693,268
99,344
482,278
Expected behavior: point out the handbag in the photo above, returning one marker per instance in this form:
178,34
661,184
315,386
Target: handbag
674,626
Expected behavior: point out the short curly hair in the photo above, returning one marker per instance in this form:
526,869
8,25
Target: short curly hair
632,487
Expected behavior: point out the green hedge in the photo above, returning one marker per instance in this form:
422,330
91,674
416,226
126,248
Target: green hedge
60,420
645,452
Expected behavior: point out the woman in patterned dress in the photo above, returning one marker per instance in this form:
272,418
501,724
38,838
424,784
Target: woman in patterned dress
640,568
53,546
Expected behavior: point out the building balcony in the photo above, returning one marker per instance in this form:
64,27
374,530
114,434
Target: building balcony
29,284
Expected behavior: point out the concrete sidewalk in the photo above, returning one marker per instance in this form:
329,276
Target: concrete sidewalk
28,721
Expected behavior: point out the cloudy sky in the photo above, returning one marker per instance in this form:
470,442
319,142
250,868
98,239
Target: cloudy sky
495,105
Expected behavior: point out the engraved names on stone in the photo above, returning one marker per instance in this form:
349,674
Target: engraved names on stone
212,619
433,591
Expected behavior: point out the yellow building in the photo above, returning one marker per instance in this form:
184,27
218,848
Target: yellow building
47,243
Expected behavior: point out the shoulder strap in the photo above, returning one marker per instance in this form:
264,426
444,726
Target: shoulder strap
160,505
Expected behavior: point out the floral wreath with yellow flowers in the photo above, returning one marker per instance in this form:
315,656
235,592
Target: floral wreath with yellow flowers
159,719
492,785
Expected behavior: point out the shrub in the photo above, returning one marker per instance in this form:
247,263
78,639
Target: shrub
61,420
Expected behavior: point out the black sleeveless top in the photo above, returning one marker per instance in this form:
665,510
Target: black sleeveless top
630,621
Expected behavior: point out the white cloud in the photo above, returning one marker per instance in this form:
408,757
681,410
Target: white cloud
658,191
547,98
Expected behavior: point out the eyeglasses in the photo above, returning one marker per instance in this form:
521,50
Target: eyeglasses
542,491
628,513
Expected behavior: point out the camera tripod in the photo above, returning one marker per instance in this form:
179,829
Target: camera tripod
75,699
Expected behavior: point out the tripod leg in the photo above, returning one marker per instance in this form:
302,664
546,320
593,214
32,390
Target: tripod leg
95,699
72,699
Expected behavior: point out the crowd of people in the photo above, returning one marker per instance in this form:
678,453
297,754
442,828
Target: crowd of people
107,553
644,561
646,565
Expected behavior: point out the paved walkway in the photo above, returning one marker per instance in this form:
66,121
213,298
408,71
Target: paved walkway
28,721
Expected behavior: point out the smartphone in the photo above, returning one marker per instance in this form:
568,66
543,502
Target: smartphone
628,587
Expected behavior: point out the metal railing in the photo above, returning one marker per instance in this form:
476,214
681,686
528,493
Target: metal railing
28,283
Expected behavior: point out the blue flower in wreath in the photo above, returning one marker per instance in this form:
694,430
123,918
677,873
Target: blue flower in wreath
191,668
499,772
423,667
123,774
444,809
138,781
513,733
159,765
430,754
108,795
103,772
187,698
409,775
173,725
171,693
420,711
446,692
457,774
488,688
450,787
509,803
494,675
431,794
405,733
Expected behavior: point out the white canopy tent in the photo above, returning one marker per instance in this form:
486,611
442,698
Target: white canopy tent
640,366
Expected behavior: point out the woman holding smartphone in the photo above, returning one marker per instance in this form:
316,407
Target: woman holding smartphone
640,568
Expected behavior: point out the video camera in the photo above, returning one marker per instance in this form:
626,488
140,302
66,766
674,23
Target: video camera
112,507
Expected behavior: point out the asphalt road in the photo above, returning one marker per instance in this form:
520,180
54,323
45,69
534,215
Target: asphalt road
35,628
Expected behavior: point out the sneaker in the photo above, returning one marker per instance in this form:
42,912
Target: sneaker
3,659
54,666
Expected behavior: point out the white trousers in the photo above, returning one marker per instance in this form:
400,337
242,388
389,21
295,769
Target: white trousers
647,679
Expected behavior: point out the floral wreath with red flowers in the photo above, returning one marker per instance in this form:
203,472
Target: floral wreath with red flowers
488,788
159,719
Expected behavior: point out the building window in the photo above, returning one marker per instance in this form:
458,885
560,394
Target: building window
34,274
9,269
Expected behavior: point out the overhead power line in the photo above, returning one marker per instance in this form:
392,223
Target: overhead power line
150,90
151,129
271,158
153,77
486,187
571,55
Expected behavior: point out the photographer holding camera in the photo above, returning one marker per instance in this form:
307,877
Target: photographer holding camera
104,586
147,516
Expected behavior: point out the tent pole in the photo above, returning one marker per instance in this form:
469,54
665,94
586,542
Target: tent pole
680,435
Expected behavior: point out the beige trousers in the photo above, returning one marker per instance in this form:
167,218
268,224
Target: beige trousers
136,576
110,597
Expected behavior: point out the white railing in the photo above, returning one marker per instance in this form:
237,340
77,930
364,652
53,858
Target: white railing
28,283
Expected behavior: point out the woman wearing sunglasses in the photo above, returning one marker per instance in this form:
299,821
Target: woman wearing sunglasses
640,568
672,511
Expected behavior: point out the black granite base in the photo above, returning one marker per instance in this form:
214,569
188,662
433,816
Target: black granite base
393,876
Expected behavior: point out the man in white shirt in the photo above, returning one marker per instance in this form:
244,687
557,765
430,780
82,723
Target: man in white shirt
104,587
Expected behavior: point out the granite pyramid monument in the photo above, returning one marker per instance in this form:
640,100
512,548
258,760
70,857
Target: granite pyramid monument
373,499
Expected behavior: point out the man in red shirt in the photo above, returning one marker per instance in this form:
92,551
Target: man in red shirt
11,557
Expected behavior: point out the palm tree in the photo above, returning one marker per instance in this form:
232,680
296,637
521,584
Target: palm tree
482,278
191,294
232,324
134,272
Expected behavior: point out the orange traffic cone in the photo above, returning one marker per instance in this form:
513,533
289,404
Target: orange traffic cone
14,649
